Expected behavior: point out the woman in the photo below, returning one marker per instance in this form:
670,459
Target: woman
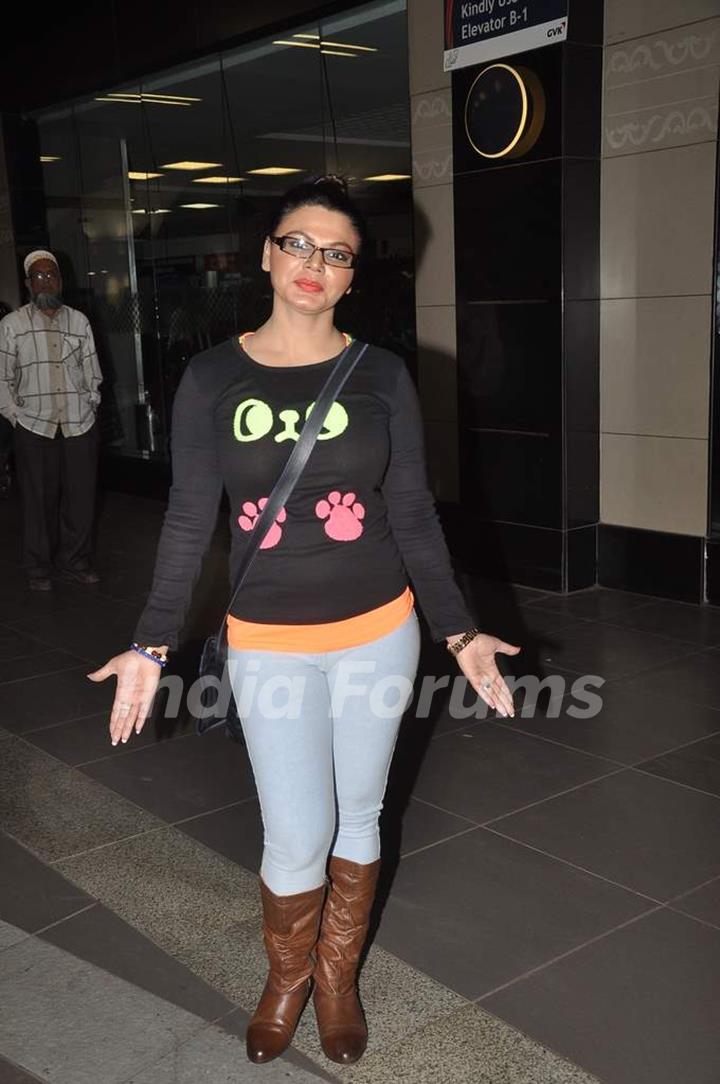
325,616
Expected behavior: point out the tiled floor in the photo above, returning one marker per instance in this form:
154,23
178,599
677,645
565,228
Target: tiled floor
549,910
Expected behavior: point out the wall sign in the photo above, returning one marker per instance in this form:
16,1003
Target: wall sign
481,30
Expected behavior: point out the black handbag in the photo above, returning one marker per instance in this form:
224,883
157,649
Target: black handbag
213,661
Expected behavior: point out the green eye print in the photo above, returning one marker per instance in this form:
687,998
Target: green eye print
253,420
335,423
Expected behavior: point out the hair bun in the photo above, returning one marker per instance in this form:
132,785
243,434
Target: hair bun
332,179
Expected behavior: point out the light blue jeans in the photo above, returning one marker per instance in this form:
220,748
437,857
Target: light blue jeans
320,732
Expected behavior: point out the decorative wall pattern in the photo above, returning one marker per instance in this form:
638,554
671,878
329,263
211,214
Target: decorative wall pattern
628,20
662,91
657,55
432,138
679,125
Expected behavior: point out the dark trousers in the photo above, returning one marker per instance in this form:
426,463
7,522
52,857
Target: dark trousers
6,438
57,479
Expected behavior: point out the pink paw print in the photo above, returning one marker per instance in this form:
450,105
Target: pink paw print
248,520
342,515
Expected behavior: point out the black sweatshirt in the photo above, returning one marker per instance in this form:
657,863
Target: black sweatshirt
360,521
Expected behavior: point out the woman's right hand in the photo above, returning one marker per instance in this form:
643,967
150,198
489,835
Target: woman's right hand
137,682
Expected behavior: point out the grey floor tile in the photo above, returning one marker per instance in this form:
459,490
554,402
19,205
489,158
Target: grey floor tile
16,645
483,593
421,825
446,724
629,727
18,607
181,778
45,661
694,680
10,935
703,903
102,938
534,690
236,832
637,1007
15,605
231,959
593,603
696,765
169,887
56,811
52,698
72,1023
437,710
508,612
523,595
535,625
96,632
679,620
488,771
646,833
611,651
10,1073
32,894
128,584
49,609
492,600
214,1057
84,740
479,910
469,1047
236,1022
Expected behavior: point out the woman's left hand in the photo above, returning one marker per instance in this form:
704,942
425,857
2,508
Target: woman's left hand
477,662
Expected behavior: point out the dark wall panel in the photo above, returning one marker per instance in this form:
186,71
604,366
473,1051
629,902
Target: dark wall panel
508,233
513,477
508,366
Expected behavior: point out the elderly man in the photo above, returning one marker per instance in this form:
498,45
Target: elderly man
49,380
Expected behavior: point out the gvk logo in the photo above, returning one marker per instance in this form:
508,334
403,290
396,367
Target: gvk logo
557,31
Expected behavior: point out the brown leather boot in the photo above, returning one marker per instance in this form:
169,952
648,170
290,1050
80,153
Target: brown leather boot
290,932
341,1022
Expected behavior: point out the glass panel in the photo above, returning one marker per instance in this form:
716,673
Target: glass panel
160,192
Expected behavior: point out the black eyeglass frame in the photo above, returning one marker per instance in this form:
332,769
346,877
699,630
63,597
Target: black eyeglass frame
351,265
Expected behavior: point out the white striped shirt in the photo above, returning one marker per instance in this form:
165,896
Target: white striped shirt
49,372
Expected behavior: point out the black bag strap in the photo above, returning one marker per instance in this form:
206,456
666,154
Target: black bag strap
295,465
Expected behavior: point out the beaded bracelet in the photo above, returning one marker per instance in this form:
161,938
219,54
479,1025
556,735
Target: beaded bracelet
156,656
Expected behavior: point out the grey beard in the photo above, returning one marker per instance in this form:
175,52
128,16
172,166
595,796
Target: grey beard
48,301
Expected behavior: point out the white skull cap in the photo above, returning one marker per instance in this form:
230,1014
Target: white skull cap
38,254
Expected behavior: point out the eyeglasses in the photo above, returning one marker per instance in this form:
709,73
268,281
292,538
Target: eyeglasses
305,250
40,275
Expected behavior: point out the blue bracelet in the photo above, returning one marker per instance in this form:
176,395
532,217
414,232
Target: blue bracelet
154,655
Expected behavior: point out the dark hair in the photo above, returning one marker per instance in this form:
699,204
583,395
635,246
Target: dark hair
329,192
